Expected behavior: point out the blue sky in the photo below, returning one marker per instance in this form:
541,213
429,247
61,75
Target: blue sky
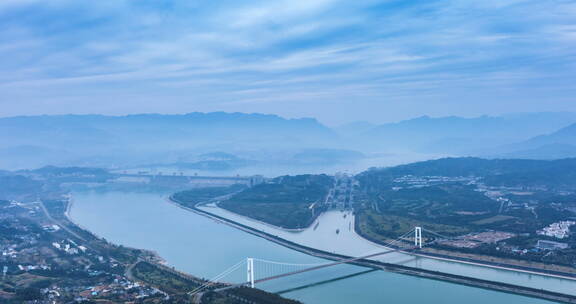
339,61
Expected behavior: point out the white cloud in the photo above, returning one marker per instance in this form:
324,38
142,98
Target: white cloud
280,50
276,12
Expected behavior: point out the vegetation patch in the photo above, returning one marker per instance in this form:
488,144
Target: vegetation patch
493,219
190,198
382,228
286,201
164,280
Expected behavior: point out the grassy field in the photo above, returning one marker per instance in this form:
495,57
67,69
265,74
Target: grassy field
162,279
382,228
494,219
284,202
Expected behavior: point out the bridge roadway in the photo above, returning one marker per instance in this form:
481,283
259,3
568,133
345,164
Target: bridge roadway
401,269
330,257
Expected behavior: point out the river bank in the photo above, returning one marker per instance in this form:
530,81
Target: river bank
429,274
326,240
205,247
152,256
157,273
497,263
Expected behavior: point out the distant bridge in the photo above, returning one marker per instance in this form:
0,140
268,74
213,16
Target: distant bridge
179,177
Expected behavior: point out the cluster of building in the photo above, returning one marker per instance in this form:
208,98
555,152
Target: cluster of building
21,241
33,247
120,289
559,230
473,240
51,228
550,245
69,246
412,181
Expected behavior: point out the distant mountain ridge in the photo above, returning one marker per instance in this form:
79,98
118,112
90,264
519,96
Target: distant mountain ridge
460,135
565,136
98,139
559,144
140,139
97,125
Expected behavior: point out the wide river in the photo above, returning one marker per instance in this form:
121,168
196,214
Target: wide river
203,247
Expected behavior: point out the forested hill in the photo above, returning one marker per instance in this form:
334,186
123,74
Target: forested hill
286,201
503,172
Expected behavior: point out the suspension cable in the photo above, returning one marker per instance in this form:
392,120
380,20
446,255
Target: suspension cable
216,278
287,264
310,265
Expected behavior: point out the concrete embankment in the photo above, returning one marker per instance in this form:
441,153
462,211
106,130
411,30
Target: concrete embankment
483,263
429,274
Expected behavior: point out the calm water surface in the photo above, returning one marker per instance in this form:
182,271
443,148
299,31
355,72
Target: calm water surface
203,247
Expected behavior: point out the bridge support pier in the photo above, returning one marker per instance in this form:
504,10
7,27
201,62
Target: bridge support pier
418,237
250,271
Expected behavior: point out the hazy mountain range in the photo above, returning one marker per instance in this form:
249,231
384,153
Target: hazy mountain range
461,136
555,145
222,141
124,141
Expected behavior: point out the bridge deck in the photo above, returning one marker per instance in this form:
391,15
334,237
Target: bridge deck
343,261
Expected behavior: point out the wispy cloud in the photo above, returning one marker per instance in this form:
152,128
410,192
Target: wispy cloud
227,54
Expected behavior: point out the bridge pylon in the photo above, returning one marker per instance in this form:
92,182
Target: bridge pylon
418,237
250,271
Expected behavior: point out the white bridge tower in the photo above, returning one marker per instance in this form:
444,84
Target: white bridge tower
250,271
418,237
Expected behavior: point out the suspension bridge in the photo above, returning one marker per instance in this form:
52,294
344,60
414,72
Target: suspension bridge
255,271
252,271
